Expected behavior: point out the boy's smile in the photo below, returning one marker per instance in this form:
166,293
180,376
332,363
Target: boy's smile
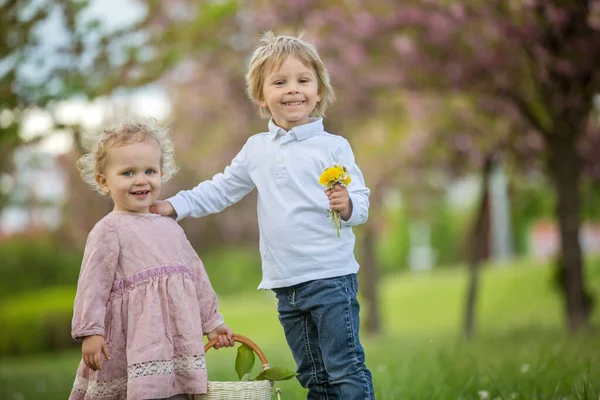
291,93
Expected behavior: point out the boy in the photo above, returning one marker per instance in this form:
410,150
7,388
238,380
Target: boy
310,269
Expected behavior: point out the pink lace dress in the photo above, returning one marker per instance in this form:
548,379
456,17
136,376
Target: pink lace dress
143,287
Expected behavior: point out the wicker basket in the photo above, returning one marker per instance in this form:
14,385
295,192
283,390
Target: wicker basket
255,390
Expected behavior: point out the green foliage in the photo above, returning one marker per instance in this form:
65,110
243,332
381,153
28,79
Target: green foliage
448,231
393,245
233,270
244,362
36,322
31,263
275,374
591,201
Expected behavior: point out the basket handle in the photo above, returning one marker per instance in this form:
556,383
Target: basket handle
246,341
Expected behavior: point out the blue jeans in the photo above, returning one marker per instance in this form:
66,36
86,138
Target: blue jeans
321,319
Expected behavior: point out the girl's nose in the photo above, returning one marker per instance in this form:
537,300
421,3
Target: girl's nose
140,179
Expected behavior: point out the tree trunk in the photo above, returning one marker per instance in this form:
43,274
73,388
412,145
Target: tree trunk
370,282
564,165
477,249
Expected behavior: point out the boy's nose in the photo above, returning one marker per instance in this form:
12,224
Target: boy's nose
292,89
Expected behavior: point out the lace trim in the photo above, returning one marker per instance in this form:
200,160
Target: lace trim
166,367
100,388
161,367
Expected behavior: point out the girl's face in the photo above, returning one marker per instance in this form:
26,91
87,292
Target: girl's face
291,93
132,175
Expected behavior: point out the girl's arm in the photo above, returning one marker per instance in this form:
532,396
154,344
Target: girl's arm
358,192
223,190
95,281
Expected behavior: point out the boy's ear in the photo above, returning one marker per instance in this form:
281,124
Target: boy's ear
102,182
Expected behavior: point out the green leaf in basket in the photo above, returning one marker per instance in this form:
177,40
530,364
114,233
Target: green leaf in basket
275,374
244,360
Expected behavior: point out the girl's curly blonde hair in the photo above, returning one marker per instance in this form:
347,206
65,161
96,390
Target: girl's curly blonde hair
93,163
271,54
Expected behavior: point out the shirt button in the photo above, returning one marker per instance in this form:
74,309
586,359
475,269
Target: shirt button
281,160
282,146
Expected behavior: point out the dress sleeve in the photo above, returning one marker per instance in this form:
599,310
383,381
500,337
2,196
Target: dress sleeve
95,282
207,298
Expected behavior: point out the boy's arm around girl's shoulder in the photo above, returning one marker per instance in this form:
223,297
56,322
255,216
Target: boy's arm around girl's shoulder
357,189
223,190
95,282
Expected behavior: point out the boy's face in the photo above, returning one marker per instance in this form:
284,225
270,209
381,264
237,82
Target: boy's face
132,176
291,93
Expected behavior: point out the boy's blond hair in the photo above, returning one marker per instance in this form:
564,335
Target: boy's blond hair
271,54
135,130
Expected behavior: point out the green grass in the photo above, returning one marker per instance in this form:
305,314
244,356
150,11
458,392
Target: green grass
520,351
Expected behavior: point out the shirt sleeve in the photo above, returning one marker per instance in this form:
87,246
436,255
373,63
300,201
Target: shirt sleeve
207,298
223,190
95,282
359,193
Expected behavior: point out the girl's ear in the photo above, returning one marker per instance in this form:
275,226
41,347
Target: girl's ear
263,104
103,184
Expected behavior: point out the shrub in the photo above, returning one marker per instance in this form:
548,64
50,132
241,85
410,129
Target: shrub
30,263
37,321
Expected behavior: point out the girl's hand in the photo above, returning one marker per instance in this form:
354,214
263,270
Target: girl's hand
339,200
91,351
223,334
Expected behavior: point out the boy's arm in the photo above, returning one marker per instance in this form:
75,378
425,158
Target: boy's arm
212,196
358,192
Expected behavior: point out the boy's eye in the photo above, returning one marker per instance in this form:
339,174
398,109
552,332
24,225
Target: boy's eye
128,173
150,171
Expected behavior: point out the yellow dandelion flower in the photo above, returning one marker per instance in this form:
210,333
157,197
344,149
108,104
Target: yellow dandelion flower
329,178
333,175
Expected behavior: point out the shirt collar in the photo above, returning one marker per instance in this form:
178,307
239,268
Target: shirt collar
301,132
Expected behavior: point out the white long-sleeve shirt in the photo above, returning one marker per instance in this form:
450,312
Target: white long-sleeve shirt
298,242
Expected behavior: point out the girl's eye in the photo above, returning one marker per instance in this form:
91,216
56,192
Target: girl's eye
150,171
303,81
128,173
279,83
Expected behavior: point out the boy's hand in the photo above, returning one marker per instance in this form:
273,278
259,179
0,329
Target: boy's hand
339,200
223,334
91,351
163,207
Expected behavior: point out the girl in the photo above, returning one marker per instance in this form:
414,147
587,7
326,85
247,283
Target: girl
143,298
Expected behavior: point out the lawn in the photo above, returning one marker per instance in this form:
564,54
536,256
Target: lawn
520,351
